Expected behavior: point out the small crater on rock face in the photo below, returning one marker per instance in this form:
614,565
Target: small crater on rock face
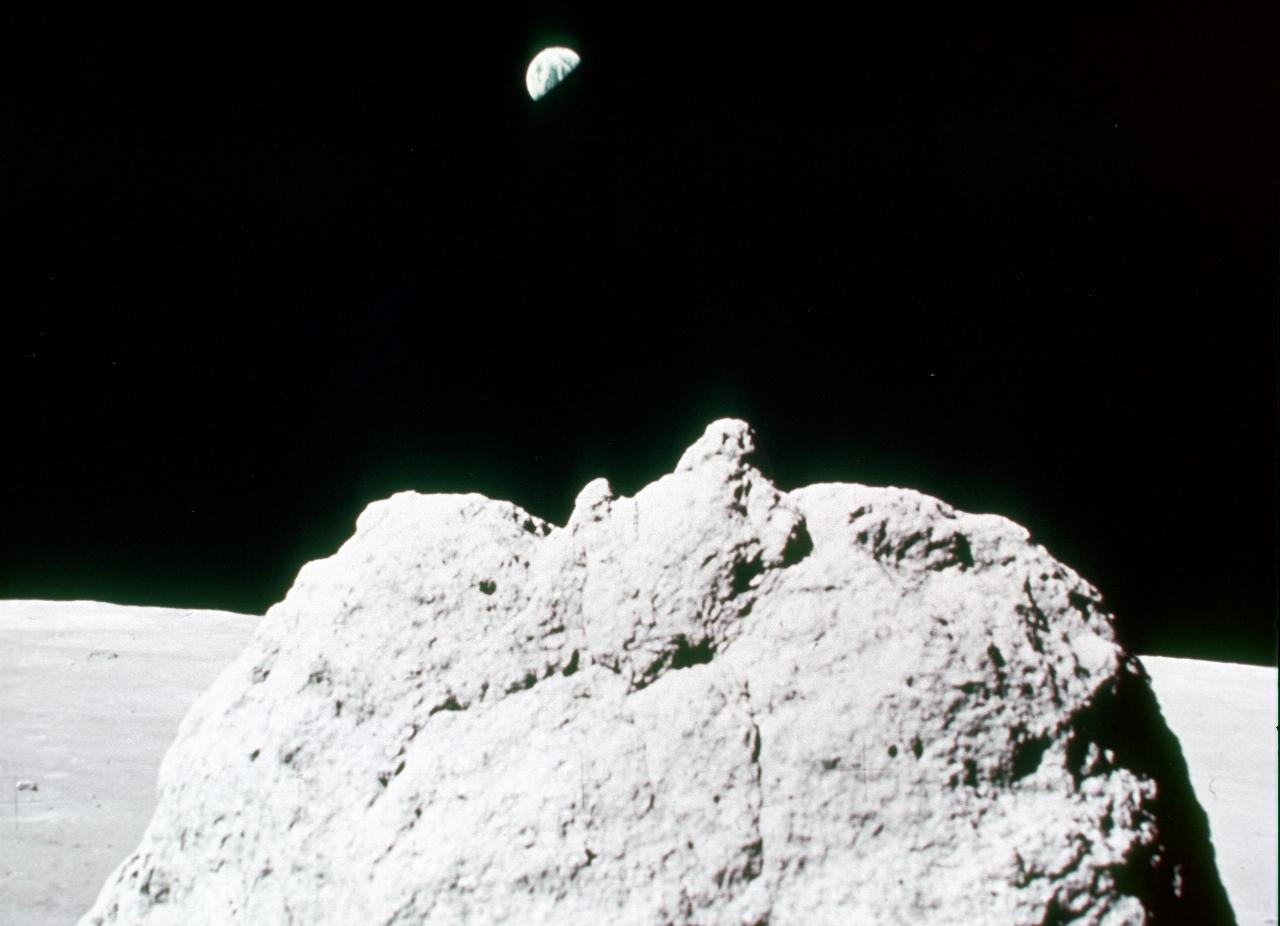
997,658
337,708
971,773
830,765
572,665
253,756
260,674
488,586
917,747
893,752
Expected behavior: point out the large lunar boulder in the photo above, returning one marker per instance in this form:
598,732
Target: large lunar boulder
712,703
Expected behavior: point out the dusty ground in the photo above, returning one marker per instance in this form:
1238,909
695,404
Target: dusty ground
92,694
90,698
1225,717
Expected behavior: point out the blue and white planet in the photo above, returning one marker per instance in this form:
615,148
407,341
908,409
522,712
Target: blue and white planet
548,68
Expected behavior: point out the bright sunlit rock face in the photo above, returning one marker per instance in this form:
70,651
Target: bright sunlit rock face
548,68
714,702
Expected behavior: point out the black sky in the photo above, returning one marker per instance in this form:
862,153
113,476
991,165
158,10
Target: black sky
257,274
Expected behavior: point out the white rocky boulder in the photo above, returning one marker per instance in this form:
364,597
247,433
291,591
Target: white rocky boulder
712,703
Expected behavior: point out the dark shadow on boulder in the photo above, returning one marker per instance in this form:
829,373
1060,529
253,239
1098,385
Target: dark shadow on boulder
1176,878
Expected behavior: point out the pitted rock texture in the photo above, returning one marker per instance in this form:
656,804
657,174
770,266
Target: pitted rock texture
712,703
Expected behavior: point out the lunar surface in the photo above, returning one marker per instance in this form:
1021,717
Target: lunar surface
1225,717
93,694
548,68
90,699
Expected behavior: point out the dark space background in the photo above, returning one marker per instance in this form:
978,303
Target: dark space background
256,274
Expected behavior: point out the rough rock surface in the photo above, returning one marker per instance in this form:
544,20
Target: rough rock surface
712,703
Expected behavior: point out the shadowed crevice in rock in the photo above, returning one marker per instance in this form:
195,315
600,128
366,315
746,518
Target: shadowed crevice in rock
448,704
933,541
1033,618
681,655
746,572
799,546
955,550
688,654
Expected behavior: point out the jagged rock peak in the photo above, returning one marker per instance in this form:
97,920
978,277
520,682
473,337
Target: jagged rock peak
726,438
